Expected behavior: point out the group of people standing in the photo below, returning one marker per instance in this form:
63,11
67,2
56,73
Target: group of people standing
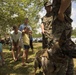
56,20
21,38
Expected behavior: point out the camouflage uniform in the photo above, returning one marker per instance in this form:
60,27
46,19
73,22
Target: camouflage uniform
51,65
59,27
47,36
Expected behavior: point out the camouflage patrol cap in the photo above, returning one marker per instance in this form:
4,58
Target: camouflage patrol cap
47,4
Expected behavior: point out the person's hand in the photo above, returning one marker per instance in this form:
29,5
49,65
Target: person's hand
61,16
43,31
18,46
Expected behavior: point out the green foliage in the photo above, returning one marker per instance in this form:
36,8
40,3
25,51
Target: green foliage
37,35
14,11
74,32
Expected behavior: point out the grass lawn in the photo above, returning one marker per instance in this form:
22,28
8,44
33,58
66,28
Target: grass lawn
16,68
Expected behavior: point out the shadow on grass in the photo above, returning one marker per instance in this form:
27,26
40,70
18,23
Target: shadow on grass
15,68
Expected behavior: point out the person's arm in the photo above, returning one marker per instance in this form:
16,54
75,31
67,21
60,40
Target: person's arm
64,5
20,36
30,29
11,38
42,28
30,32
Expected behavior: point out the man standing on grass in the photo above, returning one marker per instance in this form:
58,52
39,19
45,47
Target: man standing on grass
62,21
46,26
15,40
22,26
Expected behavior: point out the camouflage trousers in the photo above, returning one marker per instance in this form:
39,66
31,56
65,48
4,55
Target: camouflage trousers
54,68
44,42
66,68
58,28
47,40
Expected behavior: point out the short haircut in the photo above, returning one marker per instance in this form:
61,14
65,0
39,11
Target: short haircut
24,27
14,27
26,19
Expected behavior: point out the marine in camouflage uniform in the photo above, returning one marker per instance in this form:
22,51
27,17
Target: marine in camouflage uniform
46,26
59,26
